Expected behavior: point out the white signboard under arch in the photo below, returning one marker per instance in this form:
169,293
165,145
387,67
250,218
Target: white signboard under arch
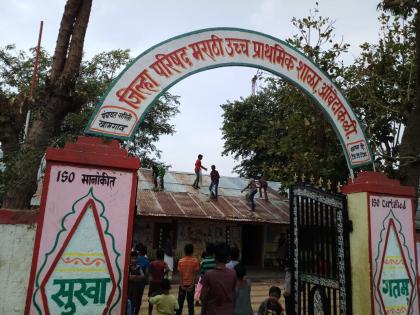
134,91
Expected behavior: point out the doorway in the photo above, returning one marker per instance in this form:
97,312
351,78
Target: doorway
252,244
165,236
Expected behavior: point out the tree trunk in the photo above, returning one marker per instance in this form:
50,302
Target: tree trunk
12,120
56,100
410,143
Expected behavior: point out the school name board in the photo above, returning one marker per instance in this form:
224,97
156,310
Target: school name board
131,95
81,244
393,256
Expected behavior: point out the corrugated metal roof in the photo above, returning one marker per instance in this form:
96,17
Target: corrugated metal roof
179,199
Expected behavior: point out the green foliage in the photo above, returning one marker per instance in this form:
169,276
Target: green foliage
381,87
155,124
279,131
72,126
315,38
15,166
16,69
403,8
97,74
94,78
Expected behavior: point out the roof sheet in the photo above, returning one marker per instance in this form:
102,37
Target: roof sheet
179,199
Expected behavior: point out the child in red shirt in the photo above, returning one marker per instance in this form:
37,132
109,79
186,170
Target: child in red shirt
157,270
197,169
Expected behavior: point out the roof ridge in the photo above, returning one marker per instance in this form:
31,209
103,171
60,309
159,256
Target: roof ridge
191,173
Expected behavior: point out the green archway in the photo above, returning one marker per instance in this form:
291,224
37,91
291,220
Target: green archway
141,83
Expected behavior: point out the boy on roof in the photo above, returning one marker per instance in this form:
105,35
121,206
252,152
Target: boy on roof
197,170
161,174
252,190
155,175
214,176
262,186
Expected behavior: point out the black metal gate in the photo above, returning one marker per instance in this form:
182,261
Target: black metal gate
320,251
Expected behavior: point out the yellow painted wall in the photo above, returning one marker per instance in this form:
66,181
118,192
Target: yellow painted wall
359,253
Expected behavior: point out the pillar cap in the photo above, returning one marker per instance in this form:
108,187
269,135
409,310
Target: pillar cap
376,182
94,151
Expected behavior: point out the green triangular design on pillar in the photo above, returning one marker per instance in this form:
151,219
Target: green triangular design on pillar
60,234
391,235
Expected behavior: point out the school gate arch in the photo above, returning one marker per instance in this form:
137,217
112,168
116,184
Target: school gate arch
141,83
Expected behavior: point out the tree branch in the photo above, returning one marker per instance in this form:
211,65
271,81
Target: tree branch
72,66
63,39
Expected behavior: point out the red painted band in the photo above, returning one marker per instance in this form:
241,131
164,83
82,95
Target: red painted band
18,216
374,182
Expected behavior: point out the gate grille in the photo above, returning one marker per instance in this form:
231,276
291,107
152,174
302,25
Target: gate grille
320,250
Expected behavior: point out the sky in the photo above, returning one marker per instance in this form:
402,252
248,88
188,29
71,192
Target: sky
138,25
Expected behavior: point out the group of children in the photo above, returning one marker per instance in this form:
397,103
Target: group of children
140,270
254,184
226,287
219,284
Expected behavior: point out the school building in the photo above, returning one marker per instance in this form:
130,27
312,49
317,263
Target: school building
184,215
181,214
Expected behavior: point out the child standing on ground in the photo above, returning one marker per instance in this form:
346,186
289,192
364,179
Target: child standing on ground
243,292
207,263
234,258
219,284
271,306
288,298
158,269
135,285
188,268
199,285
166,303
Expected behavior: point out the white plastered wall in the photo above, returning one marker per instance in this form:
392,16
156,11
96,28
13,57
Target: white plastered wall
16,248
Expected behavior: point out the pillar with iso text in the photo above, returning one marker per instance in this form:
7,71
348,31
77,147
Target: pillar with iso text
382,245
83,237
